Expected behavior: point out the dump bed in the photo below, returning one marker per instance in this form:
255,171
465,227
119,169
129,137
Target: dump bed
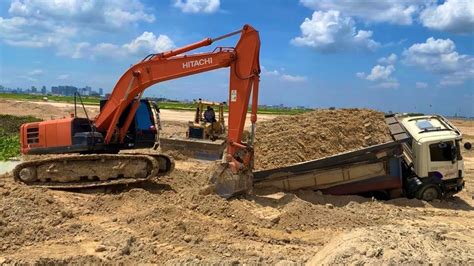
377,167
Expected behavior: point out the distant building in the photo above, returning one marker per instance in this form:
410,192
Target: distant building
64,90
43,90
33,89
86,91
101,91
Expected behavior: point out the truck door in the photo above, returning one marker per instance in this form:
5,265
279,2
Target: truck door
443,160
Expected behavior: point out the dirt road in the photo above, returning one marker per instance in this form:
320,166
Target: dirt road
48,110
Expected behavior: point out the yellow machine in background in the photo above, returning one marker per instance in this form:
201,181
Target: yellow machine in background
204,139
201,128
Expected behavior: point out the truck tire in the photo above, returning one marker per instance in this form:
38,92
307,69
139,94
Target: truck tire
429,192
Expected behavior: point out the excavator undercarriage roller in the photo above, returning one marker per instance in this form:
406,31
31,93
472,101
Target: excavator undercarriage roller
83,171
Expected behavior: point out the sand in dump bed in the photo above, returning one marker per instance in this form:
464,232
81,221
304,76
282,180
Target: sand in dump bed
287,140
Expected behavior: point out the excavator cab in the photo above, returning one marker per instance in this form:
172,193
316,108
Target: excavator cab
143,132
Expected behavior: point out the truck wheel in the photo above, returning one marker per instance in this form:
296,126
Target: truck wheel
429,193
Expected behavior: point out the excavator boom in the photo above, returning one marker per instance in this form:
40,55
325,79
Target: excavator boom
109,130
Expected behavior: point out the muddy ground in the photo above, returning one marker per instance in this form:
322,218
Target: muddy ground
168,221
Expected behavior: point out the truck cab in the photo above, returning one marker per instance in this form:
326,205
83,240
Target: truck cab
433,155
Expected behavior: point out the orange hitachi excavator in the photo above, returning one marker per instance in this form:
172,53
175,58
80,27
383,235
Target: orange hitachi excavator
86,149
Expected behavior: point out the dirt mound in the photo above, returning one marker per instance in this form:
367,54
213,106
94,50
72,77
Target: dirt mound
43,111
287,140
168,220
26,213
394,245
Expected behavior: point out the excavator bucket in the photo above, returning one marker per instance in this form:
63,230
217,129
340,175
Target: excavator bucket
195,148
227,184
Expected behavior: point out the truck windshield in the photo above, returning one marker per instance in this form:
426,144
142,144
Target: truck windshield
442,151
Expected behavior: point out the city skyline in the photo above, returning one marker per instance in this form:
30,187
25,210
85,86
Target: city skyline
66,90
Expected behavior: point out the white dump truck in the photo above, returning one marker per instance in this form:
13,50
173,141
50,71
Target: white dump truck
424,161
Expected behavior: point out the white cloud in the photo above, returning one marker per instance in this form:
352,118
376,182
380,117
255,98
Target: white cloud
391,84
282,76
389,60
458,77
105,13
29,78
36,72
439,56
332,32
265,71
145,44
62,24
63,76
198,6
295,78
421,85
380,72
399,12
149,43
361,75
19,31
453,16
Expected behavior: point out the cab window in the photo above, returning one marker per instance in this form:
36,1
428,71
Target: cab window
143,118
442,151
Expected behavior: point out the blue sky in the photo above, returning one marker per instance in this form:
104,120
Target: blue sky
399,55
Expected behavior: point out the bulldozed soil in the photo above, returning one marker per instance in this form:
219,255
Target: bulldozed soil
287,140
168,220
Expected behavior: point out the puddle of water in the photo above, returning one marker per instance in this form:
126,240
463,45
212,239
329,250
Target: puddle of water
7,166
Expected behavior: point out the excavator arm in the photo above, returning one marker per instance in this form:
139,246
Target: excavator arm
243,60
107,132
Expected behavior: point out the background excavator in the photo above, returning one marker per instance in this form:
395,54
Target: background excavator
87,149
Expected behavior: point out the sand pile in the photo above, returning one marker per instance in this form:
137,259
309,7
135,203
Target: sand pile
286,140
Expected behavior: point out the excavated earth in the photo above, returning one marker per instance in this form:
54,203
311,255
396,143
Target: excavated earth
168,221
286,140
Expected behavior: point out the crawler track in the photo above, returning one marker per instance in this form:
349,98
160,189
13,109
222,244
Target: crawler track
85,171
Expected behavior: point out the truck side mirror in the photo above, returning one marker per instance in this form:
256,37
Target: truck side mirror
467,146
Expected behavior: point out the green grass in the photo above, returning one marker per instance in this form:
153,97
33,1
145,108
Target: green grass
163,105
9,146
10,134
63,99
